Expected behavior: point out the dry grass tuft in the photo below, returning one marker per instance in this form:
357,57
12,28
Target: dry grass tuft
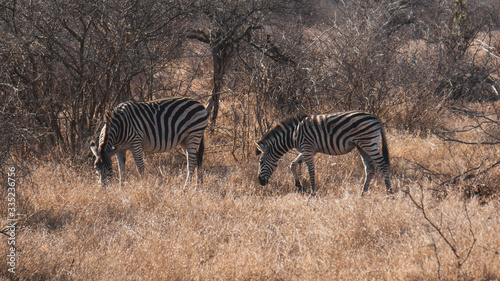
233,229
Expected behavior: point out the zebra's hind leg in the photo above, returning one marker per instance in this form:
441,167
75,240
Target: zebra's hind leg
199,161
367,161
297,173
191,159
192,148
382,165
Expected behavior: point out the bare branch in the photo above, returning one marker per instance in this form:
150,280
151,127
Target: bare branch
421,207
273,52
474,240
198,35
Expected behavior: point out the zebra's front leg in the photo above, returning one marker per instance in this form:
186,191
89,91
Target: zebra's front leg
309,159
297,173
120,155
138,154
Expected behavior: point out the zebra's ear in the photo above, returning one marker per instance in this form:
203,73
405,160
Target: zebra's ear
107,116
93,147
258,149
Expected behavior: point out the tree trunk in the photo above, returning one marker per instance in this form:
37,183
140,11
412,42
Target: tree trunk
220,55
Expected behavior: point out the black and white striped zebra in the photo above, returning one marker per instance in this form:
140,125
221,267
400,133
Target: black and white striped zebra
332,134
154,126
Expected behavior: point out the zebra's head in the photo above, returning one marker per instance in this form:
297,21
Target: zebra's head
274,144
102,164
267,163
102,153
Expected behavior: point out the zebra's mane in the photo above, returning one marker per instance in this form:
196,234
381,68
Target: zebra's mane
285,123
104,136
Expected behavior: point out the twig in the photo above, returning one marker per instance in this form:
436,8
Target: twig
474,240
460,258
421,207
437,258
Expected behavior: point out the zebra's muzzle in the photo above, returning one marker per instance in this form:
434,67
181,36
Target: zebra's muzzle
262,181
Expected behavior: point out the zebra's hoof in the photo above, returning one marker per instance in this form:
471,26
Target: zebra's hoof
390,194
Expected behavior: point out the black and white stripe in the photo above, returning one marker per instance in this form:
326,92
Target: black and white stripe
154,126
332,134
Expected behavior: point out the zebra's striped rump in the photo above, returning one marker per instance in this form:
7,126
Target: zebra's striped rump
155,126
332,134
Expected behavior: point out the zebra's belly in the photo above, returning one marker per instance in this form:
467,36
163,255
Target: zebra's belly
158,147
336,149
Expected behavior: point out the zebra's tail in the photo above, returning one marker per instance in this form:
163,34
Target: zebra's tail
199,155
385,149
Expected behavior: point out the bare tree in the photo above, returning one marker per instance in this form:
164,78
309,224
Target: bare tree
226,25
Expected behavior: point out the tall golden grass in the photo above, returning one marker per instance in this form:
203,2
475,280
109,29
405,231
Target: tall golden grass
230,228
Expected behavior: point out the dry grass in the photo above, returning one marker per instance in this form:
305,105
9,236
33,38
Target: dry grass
233,229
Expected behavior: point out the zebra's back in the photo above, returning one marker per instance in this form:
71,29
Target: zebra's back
165,123
336,134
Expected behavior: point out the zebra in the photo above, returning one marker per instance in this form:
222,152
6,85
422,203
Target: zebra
332,134
154,126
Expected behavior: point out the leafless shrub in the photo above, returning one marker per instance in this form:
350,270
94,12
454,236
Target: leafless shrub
70,60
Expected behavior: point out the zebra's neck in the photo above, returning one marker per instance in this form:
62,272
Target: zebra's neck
280,138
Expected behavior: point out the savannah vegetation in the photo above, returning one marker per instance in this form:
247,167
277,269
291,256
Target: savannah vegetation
429,69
